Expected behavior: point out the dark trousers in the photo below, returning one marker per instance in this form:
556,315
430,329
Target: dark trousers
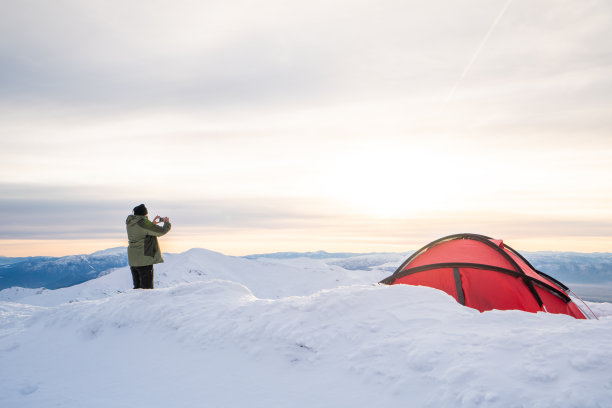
142,276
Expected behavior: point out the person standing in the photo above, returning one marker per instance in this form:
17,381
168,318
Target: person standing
143,248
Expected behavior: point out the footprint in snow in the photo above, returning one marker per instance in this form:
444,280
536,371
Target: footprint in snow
28,389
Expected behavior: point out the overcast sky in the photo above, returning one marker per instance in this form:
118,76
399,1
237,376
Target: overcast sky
263,126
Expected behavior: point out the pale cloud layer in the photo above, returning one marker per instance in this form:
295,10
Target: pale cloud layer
293,124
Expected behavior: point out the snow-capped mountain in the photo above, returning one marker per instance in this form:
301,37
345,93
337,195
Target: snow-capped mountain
574,267
53,273
5,260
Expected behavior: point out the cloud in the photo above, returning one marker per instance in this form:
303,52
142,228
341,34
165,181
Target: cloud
543,71
52,213
290,115
56,212
216,53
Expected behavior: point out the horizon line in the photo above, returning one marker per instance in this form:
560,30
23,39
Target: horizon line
356,253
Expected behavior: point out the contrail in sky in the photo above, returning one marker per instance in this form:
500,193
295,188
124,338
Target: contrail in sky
475,56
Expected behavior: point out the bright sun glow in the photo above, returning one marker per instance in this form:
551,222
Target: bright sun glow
387,183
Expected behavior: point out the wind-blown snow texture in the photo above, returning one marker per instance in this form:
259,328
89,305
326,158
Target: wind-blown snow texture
232,332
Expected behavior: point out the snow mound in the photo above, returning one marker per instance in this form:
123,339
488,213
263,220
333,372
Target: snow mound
232,332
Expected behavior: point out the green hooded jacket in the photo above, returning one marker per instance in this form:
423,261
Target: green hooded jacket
143,248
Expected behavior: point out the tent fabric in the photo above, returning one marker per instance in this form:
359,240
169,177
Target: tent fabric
484,274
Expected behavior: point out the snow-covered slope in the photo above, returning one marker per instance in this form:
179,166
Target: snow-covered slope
232,332
265,277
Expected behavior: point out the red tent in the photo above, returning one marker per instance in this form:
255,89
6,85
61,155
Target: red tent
485,274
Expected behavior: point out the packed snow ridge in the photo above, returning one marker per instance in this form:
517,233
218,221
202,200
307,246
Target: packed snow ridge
221,331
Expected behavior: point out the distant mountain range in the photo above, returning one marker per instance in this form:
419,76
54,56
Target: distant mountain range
311,255
53,273
573,267
8,261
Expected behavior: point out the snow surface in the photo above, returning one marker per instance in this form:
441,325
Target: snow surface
222,331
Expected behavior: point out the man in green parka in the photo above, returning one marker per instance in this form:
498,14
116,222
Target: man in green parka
143,248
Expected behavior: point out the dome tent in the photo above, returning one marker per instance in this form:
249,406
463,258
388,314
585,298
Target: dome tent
485,274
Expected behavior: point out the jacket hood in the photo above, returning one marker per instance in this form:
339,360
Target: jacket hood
133,219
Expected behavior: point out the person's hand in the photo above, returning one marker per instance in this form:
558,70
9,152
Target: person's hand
157,219
166,219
